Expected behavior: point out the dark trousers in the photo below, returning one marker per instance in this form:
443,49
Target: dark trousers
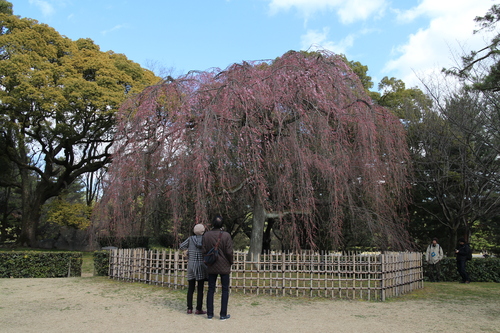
199,294
435,272
461,270
212,280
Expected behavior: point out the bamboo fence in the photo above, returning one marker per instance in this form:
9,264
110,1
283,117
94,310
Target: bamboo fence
370,276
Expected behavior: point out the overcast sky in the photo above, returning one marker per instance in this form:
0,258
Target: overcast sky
405,39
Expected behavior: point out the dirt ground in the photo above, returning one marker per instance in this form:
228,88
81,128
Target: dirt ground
98,304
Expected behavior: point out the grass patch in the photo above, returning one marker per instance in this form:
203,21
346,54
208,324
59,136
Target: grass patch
87,263
452,292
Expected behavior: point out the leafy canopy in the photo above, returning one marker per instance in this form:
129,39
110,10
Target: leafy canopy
58,103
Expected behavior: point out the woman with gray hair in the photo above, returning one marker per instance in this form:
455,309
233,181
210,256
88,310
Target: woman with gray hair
197,270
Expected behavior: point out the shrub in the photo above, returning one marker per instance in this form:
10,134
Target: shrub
479,269
130,242
31,264
101,263
166,240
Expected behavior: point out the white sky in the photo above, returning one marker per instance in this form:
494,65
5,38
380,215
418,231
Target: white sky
405,39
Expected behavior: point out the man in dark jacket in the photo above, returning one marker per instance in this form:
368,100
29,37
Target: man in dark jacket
461,252
221,267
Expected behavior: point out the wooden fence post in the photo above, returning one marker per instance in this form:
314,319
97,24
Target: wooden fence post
383,276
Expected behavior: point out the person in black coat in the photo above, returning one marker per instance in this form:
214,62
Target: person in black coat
461,252
221,267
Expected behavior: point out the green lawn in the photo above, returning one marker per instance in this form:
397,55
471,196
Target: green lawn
87,263
454,292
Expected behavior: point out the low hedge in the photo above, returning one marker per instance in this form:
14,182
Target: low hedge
479,270
101,263
30,264
130,242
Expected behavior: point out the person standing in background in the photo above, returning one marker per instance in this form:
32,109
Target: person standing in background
433,256
462,252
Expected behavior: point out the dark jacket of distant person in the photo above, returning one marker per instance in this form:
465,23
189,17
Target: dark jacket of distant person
462,251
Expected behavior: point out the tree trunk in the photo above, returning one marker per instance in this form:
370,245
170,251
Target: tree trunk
30,211
453,242
266,242
32,201
3,228
258,221
29,224
5,216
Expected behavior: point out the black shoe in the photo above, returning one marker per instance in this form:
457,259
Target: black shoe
210,317
226,317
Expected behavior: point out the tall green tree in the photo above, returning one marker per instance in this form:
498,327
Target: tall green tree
57,113
480,73
406,103
457,166
453,142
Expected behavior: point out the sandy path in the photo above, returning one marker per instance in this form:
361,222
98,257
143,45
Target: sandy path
102,305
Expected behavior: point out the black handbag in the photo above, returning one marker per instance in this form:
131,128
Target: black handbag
211,256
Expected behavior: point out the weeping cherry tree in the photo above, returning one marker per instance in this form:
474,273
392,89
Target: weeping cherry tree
296,140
